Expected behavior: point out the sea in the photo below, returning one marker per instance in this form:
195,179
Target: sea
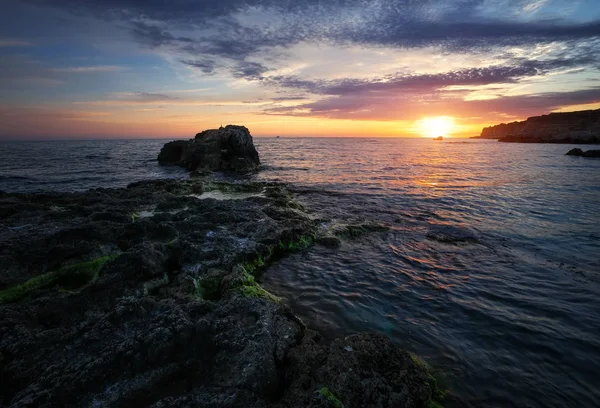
489,268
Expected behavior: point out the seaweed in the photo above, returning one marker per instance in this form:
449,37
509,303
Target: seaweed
251,288
68,278
437,393
331,399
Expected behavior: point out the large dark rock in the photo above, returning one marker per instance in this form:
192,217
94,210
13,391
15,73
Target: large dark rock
361,370
173,152
579,152
228,148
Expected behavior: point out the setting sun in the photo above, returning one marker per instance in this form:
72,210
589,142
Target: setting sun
436,126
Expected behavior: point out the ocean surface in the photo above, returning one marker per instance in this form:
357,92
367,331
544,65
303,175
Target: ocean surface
490,268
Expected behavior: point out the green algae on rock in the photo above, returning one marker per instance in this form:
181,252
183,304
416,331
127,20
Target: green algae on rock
437,394
251,288
331,399
68,277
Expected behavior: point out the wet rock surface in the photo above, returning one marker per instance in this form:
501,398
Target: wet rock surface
173,152
148,296
228,148
361,370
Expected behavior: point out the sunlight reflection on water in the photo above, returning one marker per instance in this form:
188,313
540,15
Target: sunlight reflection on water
489,269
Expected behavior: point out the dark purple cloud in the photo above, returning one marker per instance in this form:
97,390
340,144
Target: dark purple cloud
207,66
413,107
456,25
469,34
430,82
249,70
154,36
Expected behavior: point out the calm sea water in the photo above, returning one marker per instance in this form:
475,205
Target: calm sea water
508,309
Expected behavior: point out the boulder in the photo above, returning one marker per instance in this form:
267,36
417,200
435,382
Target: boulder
574,152
228,148
361,370
591,153
579,152
172,152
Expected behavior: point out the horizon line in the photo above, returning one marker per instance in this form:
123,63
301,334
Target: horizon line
77,139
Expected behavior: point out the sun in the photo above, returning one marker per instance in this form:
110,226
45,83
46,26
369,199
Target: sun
436,126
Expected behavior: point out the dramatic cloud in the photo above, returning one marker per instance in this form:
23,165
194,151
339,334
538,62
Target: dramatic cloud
239,29
383,60
429,83
206,66
154,36
389,109
251,70
471,33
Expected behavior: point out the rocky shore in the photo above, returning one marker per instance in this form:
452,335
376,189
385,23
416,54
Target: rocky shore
150,295
582,127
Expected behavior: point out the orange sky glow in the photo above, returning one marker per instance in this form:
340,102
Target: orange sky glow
395,69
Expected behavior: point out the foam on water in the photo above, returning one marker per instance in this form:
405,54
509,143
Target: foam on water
226,195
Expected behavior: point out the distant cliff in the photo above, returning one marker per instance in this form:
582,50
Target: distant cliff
568,127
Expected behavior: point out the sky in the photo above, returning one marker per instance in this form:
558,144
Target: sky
171,68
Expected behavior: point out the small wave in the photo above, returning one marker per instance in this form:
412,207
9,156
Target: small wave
78,180
284,168
3,177
451,233
96,157
299,190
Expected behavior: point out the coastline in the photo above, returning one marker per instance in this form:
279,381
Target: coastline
148,295
578,127
508,139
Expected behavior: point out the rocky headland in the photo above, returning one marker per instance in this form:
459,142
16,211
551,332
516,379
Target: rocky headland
150,295
582,127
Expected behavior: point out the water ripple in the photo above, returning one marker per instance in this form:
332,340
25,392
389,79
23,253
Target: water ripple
489,268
